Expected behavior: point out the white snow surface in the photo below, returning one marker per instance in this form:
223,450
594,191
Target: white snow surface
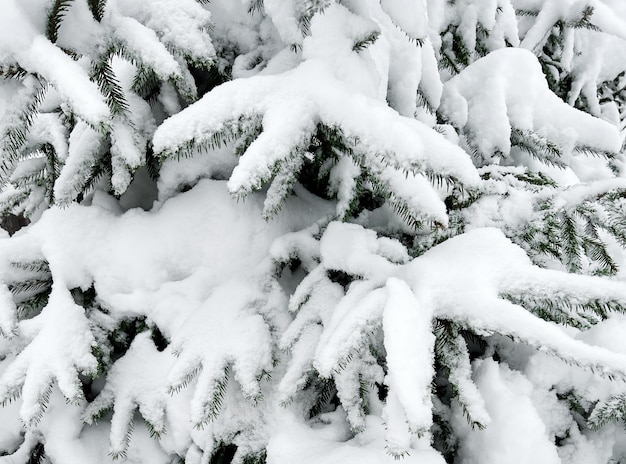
507,89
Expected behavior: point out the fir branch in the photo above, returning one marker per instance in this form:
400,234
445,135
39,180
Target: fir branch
14,137
571,242
12,71
228,132
593,152
55,18
213,406
146,83
248,136
256,458
97,8
530,13
579,314
38,266
37,455
364,42
310,9
255,6
452,352
102,73
612,410
53,170
155,433
326,391
584,22
538,147
535,178
281,187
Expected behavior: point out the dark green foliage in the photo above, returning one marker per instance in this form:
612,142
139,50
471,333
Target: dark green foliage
102,73
146,83
325,395
366,41
255,6
584,22
31,288
258,458
444,439
308,9
605,412
574,235
223,454
213,406
97,8
37,454
12,71
14,138
55,18
450,351
579,314
538,147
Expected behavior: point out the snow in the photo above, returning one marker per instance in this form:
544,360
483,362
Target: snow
516,433
83,153
288,326
507,90
68,77
410,16
124,394
296,442
154,284
409,345
307,94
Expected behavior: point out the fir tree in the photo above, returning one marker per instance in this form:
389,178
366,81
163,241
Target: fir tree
372,230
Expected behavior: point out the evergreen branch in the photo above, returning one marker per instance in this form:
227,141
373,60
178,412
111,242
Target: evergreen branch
538,147
570,243
255,6
410,217
326,392
536,178
53,170
256,458
184,382
281,187
311,8
146,83
12,71
362,43
39,266
155,433
567,312
530,13
248,136
37,454
451,351
104,76
609,411
14,137
423,100
593,152
213,406
584,22
97,8
24,290
55,18
228,132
